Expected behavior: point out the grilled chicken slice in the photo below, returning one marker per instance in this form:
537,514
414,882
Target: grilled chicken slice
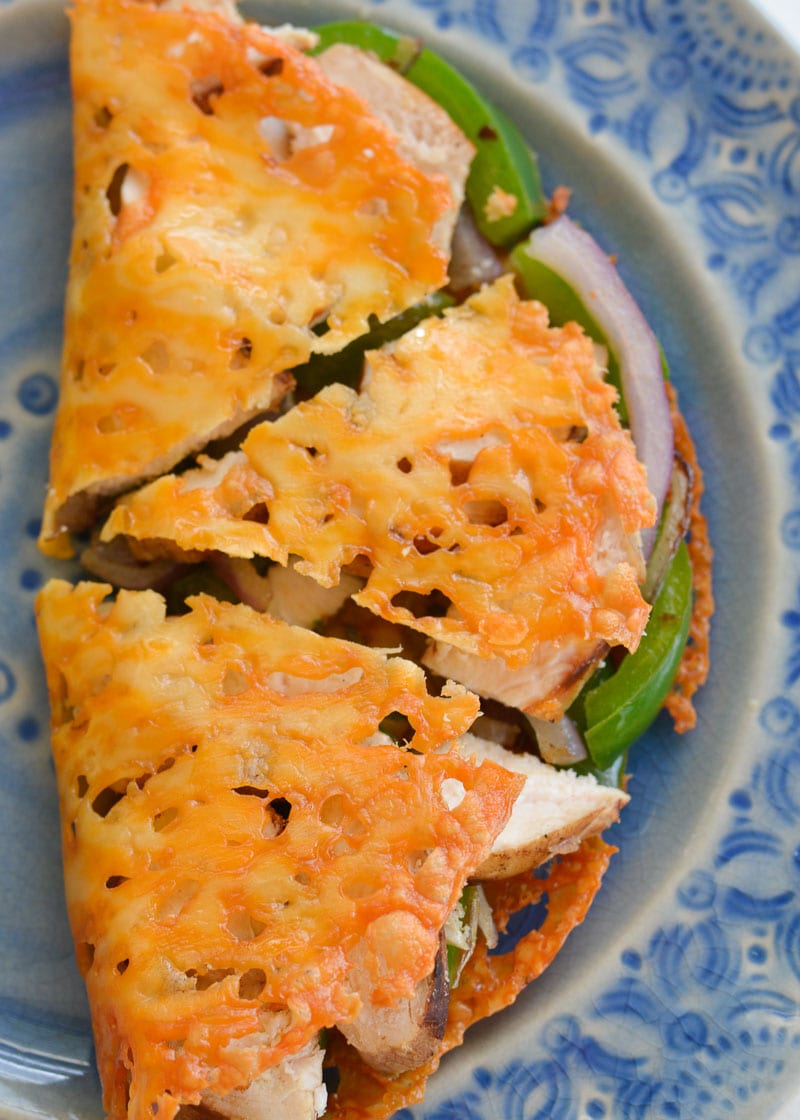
428,136
546,686
556,810
301,601
396,1039
558,670
291,1090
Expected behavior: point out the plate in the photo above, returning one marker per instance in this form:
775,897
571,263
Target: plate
677,125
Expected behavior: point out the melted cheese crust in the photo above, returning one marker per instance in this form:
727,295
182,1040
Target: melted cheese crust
484,459
490,981
232,829
228,197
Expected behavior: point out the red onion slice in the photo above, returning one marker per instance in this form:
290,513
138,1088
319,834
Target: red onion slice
576,257
675,525
473,260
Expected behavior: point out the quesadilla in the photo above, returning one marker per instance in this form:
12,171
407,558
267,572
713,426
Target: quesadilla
235,211
238,834
483,460
292,838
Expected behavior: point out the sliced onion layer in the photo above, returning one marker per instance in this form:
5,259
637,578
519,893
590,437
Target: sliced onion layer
113,562
560,743
244,581
576,257
674,527
473,259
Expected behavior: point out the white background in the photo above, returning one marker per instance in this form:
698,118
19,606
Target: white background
785,14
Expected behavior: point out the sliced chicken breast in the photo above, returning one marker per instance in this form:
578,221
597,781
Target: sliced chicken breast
428,136
403,1037
291,1090
545,687
555,812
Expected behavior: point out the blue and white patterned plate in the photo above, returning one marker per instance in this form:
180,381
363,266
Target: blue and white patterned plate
677,124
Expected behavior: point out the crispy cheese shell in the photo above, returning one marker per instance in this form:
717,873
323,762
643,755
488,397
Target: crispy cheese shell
226,201
694,667
484,459
231,831
489,982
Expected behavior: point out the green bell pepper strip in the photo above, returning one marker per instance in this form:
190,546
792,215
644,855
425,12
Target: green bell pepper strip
502,158
564,306
345,367
613,775
621,708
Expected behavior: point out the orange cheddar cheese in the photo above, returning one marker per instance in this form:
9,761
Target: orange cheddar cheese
233,828
483,459
232,203
490,982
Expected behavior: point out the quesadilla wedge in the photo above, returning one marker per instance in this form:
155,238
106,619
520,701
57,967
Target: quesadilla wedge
235,211
248,860
482,460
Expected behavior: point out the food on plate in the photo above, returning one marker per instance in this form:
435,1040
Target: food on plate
239,864
249,859
235,212
522,506
398,532
503,189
